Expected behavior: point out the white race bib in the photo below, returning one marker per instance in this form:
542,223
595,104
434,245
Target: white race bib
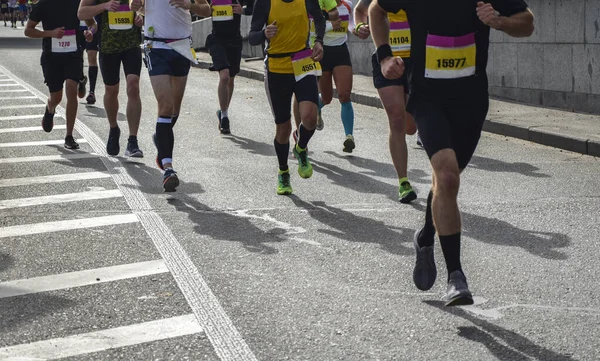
67,44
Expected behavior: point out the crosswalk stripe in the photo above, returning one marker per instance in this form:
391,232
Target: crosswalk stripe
13,90
48,158
24,106
66,225
15,84
59,198
52,179
81,278
36,143
28,129
23,117
103,340
23,97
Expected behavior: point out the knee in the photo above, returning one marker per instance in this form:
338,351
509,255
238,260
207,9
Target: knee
112,91
56,97
283,131
71,89
224,76
343,96
133,89
447,180
326,99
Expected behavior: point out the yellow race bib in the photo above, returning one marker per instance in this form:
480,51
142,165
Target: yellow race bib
450,57
222,10
341,32
121,19
400,39
304,65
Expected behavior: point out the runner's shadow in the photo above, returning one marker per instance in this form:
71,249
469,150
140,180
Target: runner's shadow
97,112
495,165
28,309
380,169
354,228
149,180
488,334
6,261
253,146
84,163
502,233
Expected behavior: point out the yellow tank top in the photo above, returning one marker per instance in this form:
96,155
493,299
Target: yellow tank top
399,34
292,33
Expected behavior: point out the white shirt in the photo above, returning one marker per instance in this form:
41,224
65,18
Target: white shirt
332,38
164,21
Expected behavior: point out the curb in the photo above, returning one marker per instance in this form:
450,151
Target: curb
532,134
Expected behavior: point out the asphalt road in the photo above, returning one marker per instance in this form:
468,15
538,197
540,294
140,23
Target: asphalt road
97,263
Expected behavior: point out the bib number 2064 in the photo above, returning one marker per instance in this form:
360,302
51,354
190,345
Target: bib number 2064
451,63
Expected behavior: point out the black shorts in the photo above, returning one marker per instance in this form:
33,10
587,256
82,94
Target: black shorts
110,65
335,56
58,68
454,124
93,45
281,87
225,54
166,62
4,10
379,81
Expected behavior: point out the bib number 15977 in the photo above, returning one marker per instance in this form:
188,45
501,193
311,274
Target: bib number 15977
451,63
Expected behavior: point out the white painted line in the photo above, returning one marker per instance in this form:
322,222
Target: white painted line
220,330
24,106
28,129
81,278
14,84
59,198
36,143
67,225
23,117
52,179
97,341
48,158
13,90
23,97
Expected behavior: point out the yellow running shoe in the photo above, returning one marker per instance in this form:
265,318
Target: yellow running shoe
283,183
305,169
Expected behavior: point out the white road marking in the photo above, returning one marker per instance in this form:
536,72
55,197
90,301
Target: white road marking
81,278
14,84
290,231
23,117
13,182
29,129
13,90
495,314
476,310
48,158
67,225
220,330
23,106
59,198
23,97
103,340
38,143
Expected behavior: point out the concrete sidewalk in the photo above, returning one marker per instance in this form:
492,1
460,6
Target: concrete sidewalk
556,128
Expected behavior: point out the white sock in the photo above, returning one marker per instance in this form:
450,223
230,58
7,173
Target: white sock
223,114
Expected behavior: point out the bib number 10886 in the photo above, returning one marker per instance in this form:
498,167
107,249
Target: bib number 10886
451,63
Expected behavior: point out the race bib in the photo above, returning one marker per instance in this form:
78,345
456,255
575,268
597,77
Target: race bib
183,47
67,44
400,39
304,65
222,10
4,6
450,57
341,32
121,19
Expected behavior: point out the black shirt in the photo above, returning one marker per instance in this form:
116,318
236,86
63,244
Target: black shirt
230,29
56,14
451,18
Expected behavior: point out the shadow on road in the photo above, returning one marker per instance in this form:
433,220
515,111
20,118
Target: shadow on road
517,347
495,165
252,146
6,261
29,309
97,112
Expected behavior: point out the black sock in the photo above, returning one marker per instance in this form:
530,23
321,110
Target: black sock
304,136
451,249
132,137
427,234
93,75
174,120
282,151
164,138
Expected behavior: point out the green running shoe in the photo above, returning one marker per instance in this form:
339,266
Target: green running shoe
283,183
305,169
406,192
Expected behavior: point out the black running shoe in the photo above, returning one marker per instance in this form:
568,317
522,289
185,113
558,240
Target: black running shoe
81,87
91,98
48,121
71,143
223,124
170,180
457,293
112,146
425,272
133,150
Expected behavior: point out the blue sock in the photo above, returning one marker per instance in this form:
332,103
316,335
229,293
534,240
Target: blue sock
320,104
348,117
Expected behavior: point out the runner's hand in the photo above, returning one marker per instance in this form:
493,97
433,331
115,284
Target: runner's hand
392,67
237,8
364,32
271,30
112,5
181,4
136,5
89,35
317,52
336,24
488,15
58,33
139,21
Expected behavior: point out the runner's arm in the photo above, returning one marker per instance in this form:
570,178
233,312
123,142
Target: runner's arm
88,9
260,15
315,10
361,18
331,12
510,16
92,25
32,32
518,25
379,24
201,8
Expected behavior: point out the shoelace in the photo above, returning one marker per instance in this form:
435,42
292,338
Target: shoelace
303,158
285,179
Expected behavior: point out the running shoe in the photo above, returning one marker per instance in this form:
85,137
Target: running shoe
305,169
158,160
170,180
223,123
425,272
406,193
81,87
91,98
283,183
320,124
457,292
419,141
71,143
112,146
349,144
48,121
133,150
